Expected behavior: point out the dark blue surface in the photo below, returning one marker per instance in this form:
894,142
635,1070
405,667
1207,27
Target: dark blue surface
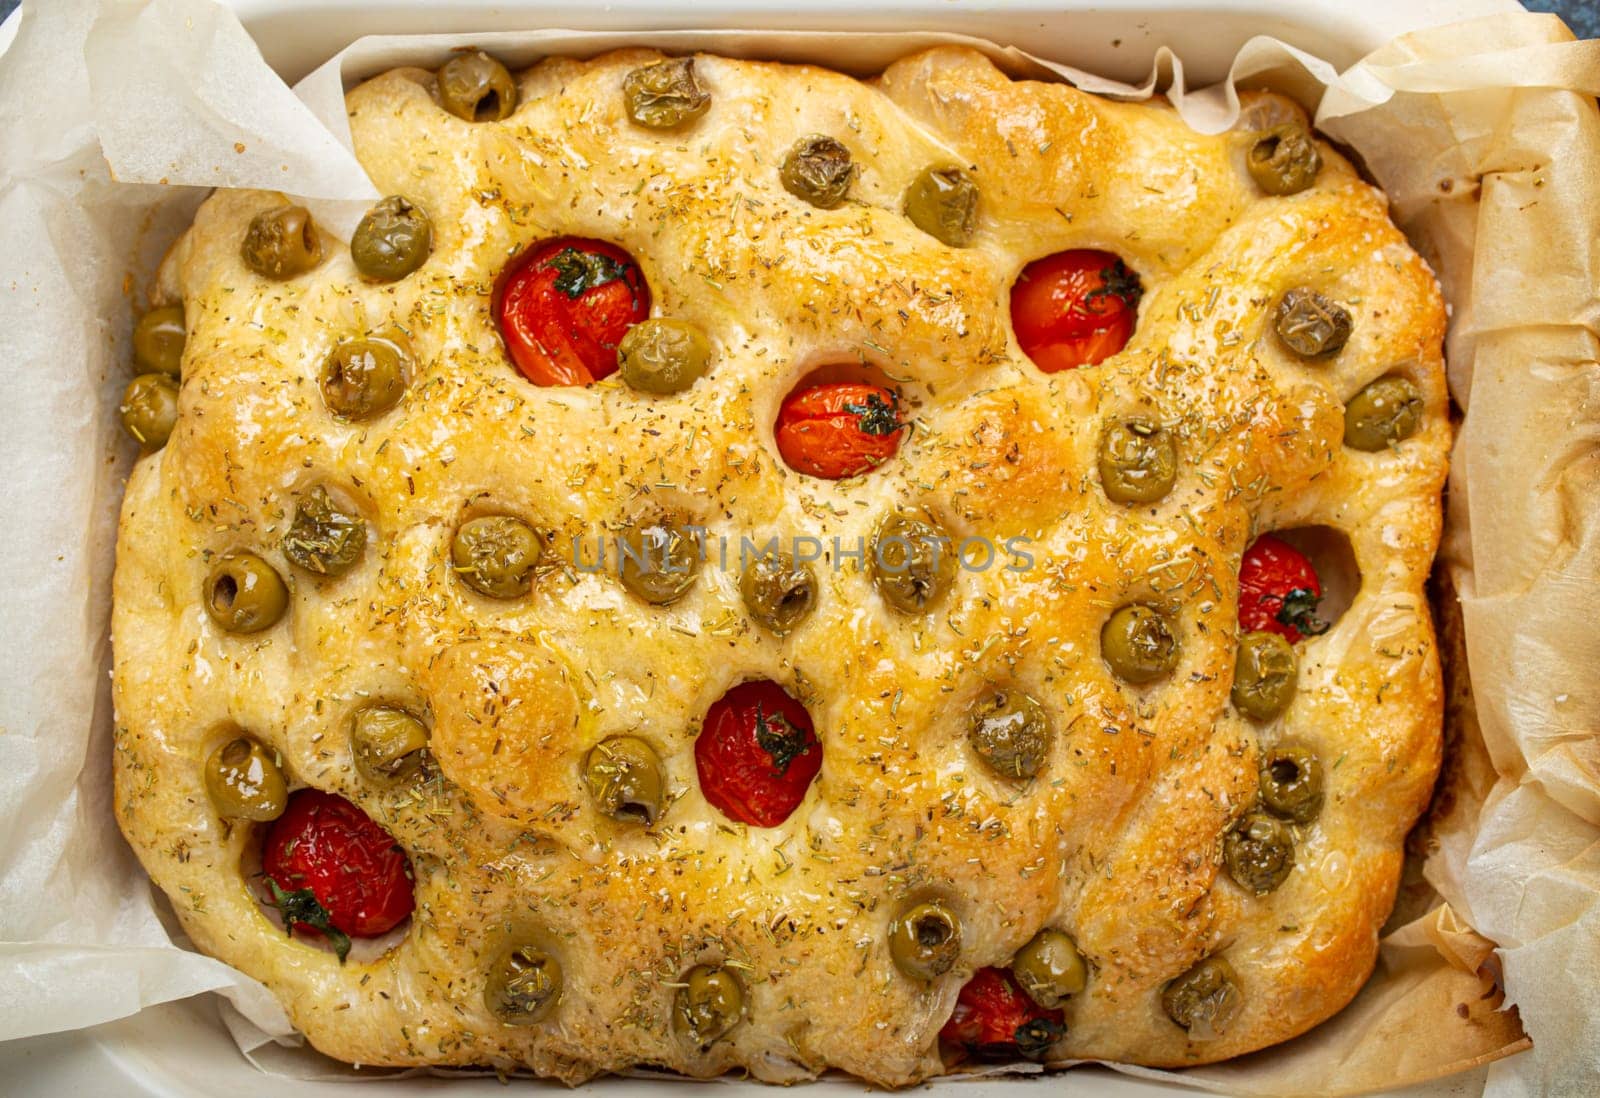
1583,16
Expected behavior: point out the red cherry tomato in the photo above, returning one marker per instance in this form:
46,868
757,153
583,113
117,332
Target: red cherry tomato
565,306
757,754
994,1017
839,430
333,870
1074,308
1279,590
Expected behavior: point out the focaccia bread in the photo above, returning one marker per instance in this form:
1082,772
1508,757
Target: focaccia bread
995,753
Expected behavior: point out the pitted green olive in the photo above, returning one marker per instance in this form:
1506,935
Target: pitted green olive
779,593
1138,644
244,594
476,88
387,743
1050,968
524,986
665,95
1264,675
623,774
1259,852
1311,324
282,243
1009,731
658,561
818,170
913,562
1204,999
1284,160
925,941
1138,461
158,340
149,409
364,377
708,1005
1291,782
661,355
495,555
943,202
1384,413
245,782
392,240
324,539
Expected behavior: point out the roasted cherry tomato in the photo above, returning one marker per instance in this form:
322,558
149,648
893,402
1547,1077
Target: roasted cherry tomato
1279,591
841,429
565,306
757,754
334,871
995,1019
1074,308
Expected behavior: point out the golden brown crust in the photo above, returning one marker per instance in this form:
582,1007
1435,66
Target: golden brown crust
1116,843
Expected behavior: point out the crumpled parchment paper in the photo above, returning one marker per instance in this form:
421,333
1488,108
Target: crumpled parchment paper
116,115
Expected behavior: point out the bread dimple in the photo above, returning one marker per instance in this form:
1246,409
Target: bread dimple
1117,841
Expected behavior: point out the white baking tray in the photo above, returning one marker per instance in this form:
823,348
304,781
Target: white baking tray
182,1050
1115,38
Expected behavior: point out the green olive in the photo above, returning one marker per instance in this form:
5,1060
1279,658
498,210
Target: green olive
387,743
1311,324
1384,413
1138,644
665,94
658,561
282,243
1291,782
943,202
662,355
778,592
495,555
1138,461
323,539
245,782
149,409
392,240
623,774
158,340
818,169
524,986
1010,731
913,562
710,1002
1050,968
1284,159
364,377
1204,999
1259,852
1264,675
476,88
244,594
925,941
